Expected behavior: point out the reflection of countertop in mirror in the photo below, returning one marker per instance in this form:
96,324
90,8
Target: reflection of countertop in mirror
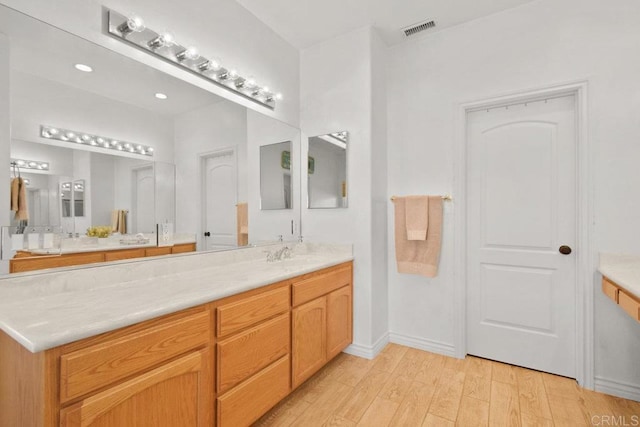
624,270
45,310
74,246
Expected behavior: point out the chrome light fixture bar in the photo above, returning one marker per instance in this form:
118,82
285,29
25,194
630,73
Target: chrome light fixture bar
30,164
106,143
164,45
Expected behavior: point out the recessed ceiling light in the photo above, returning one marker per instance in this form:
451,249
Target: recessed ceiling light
82,67
160,95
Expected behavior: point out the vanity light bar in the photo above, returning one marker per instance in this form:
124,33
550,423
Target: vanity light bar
30,164
164,45
75,137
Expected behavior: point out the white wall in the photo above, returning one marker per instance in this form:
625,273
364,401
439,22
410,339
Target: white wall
331,104
536,45
197,133
219,28
102,188
5,130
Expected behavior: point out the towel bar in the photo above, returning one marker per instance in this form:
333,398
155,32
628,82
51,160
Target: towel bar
445,197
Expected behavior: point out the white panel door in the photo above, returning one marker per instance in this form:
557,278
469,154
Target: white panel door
144,201
521,209
220,201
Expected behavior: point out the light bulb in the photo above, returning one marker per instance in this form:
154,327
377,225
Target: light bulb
20,162
70,135
250,82
150,149
134,24
44,165
233,74
53,131
105,144
32,164
164,39
100,140
216,64
86,137
189,53
278,96
265,89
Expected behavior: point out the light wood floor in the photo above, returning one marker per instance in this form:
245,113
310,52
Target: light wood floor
408,387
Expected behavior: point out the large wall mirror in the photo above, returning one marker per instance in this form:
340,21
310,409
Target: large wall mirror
327,171
62,81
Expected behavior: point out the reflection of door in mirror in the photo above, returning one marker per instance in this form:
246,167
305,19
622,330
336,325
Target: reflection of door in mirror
327,171
143,215
220,191
275,176
65,194
78,196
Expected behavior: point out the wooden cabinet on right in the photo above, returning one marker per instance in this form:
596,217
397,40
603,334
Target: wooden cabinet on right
629,303
322,327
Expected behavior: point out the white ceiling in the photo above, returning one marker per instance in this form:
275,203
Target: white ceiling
47,52
306,22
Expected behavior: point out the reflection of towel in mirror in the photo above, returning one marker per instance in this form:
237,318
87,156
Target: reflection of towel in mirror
119,221
15,190
19,199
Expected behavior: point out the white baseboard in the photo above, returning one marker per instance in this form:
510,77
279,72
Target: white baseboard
368,352
423,344
618,388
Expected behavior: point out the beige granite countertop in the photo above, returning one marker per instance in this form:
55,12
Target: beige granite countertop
46,310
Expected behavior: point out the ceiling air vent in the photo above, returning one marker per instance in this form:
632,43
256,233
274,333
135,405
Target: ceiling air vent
416,28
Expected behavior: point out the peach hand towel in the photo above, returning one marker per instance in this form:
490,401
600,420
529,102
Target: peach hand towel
418,256
416,211
15,190
22,213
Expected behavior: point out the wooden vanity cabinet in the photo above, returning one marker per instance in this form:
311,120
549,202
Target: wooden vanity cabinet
223,363
321,320
253,353
158,373
24,261
629,303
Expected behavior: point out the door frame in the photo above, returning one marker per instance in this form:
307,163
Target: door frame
202,160
585,262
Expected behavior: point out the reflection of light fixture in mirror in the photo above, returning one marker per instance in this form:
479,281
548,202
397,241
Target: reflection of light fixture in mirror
161,95
165,46
83,67
30,164
100,142
338,139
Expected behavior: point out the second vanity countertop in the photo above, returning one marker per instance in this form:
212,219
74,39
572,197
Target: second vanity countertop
47,310
113,244
624,270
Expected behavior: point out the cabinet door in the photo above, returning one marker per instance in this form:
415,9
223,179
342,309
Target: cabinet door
339,321
309,339
174,395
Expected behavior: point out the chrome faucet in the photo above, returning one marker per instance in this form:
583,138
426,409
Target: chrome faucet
282,253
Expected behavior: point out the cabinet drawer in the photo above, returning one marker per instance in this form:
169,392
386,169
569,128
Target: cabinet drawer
126,254
235,316
325,282
244,354
183,247
162,250
609,289
250,400
90,368
628,304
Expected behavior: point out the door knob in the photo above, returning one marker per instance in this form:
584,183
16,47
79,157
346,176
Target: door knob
565,250
208,234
